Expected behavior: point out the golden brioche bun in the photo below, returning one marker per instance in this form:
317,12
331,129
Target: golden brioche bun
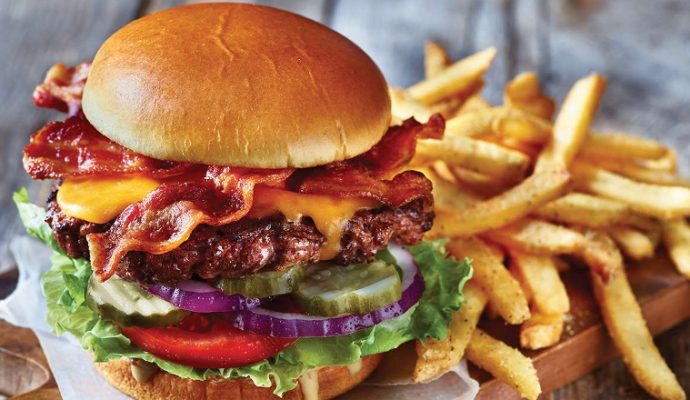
236,84
333,381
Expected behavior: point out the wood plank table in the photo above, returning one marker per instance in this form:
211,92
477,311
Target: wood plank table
641,46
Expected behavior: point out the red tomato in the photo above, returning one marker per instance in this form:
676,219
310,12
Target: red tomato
206,342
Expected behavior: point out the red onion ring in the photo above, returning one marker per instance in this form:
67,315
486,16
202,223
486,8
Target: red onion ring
281,324
201,297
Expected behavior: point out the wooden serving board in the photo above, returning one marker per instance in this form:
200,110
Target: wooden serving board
663,294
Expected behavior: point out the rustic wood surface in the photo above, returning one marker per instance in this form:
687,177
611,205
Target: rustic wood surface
641,46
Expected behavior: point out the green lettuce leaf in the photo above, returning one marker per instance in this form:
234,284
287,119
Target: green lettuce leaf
64,287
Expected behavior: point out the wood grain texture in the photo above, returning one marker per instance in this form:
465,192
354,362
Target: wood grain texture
35,35
643,48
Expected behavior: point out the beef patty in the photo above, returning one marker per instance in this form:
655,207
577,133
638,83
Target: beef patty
249,245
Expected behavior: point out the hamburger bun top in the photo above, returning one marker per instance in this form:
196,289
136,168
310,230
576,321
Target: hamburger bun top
332,382
236,84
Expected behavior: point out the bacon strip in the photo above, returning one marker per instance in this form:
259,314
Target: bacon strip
73,147
169,214
62,88
215,195
361,176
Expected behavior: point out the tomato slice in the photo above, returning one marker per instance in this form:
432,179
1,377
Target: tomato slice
206,341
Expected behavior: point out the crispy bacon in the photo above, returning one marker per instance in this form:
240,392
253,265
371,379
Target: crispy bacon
169,214
215,195
397,147
62,88
73,147
362,175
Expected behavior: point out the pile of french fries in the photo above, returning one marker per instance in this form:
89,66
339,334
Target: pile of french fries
515,192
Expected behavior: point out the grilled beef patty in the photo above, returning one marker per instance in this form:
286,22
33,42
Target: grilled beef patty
249,245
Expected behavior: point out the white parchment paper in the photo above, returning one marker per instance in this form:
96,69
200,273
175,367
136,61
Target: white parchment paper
77,378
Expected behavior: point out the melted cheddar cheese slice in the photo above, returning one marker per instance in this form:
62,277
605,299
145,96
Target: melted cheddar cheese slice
330,214
101,200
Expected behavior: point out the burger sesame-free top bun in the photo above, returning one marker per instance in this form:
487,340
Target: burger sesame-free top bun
332,382
236,84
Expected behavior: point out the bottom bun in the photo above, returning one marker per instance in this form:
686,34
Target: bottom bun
333,381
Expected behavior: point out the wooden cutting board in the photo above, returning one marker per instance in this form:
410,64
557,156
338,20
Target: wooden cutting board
664,297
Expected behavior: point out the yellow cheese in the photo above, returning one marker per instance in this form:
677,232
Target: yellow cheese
330,214
100,200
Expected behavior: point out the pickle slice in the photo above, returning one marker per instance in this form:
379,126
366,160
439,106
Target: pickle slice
329,290
263,284
129,304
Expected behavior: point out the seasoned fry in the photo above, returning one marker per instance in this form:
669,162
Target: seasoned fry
572,123
476,155
480,185
524,92
540,331
540,278
629,332
438,356
621,146
458,77
436,59
538,237
665,202
504,121
505,363
633,243
676,235
601,254
637,172
586,210
503,290
447,194
505,208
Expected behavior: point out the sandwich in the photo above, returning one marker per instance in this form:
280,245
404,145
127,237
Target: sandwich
232,216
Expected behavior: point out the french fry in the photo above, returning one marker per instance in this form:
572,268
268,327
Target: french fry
505,208
504,121
668,163
404,107
633,243
438,356
459,77
541,280
629,332
601,254
676,234
505,363
572,123
480,185
538,237
585,210
524,92
620,145
541,331
664,202
637,172
436,59
447,194
503,290
594,212
473,103
475,155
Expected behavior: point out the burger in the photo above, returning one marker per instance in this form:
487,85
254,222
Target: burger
232,216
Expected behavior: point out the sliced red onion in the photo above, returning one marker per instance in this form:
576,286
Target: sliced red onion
201,297
281,324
